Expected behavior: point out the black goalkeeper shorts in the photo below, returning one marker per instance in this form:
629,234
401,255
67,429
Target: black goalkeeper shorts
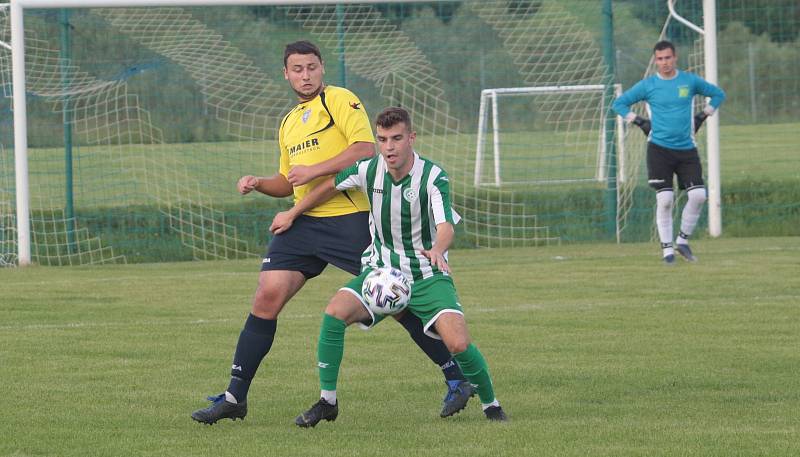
314,242
663,162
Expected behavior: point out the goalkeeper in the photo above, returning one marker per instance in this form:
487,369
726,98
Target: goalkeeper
327,131
412,222
671,146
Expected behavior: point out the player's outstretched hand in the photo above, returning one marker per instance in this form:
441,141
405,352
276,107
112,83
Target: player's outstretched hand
299,175
643,124
699,118
437,259
281,222
247,184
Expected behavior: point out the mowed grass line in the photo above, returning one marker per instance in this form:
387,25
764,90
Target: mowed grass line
595,350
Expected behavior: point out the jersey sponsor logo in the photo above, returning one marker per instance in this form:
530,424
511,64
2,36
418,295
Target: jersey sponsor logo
304,146
683,91
409,194
377,191
306,115
355,105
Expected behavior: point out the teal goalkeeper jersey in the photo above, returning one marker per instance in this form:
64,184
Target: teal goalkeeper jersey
670,105
403,214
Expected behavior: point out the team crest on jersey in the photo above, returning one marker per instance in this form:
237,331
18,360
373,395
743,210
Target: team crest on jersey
410,194
683,91
306,115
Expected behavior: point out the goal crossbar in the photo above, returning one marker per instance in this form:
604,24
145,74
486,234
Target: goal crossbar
489,101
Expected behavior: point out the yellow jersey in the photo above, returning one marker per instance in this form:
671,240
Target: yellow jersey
320,129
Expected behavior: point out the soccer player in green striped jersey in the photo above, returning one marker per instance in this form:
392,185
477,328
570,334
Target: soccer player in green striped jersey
412,228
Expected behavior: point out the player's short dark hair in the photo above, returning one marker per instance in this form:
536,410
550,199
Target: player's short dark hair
664,44
392,116
301,47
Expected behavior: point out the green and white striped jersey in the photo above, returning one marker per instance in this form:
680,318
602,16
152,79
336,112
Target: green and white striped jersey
403,214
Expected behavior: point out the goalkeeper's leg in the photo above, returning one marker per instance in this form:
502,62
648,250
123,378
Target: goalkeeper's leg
660,169
690,177
664,202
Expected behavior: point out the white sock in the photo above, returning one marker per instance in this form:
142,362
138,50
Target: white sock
691,213
485,406
230,398
664,220
329,396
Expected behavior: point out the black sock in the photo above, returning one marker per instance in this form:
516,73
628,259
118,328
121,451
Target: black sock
255,341
451,370
433,348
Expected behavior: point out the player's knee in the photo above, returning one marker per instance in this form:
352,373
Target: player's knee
697,196
345,311
457,345
664,201
336,311
267,303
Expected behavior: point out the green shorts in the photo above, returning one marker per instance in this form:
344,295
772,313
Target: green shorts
430,298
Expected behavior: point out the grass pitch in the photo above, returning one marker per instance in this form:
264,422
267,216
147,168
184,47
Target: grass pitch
595,350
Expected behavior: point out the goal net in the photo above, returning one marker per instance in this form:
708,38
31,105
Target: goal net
545,135
141,119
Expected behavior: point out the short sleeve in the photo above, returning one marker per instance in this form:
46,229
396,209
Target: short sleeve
283,167
439,191
348,178
351,117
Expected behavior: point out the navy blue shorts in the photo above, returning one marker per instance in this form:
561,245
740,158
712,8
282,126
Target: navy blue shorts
314,242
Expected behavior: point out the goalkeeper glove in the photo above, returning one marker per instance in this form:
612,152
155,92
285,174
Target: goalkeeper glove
699,118
643,124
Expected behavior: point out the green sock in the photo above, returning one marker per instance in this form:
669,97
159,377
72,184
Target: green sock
477,372
330,350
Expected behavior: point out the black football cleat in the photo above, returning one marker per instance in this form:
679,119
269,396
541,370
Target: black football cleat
320,410
458,394
220,409
686,252
495,413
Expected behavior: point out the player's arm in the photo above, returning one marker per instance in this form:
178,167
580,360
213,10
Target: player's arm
445,218
717,96
274,186
445,233
622,106
318,195
302,174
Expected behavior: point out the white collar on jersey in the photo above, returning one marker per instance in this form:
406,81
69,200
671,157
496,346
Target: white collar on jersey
415,168
677,72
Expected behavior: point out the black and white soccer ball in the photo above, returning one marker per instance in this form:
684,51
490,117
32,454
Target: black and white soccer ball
386,291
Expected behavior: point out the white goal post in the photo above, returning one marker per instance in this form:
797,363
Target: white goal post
489,110
709,34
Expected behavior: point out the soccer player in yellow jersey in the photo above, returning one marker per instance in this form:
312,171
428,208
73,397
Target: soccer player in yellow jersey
326,132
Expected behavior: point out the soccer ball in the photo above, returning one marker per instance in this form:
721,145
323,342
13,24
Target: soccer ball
386,291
